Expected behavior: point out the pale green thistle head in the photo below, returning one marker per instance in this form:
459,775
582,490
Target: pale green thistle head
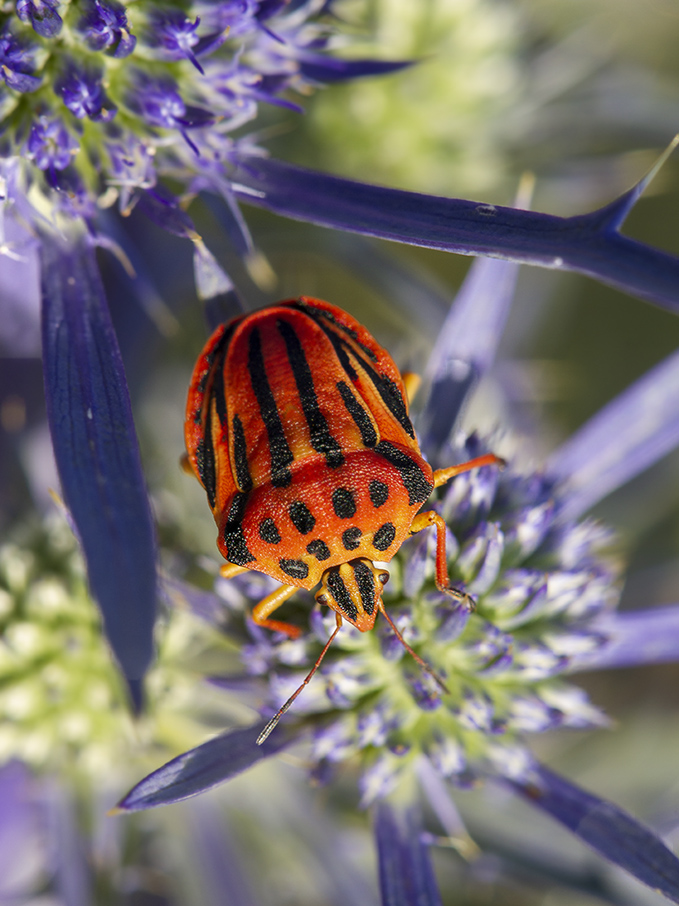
438,127
63,704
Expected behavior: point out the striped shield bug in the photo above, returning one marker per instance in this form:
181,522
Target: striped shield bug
297,427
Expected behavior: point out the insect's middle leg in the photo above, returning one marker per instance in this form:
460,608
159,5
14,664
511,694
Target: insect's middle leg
423,521
261,611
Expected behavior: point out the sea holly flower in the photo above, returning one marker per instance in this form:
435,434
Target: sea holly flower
43,15
83,94
62,702
54,217
545,585
104,26
176,37
157,101
66,735
148,92
50,144
18,64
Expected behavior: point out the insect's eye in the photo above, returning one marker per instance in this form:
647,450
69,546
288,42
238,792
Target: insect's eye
383,577
322,598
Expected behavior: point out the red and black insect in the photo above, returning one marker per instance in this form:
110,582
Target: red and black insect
297,427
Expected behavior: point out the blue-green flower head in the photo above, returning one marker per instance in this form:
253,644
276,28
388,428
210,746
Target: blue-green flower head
18,63
50,145
110,83
41,15
104,26
540,583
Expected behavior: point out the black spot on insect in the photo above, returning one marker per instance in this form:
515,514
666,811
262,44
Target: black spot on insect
296,569
340,594
379,492
319,549
365,582
351,538
384,536
343,503
237,551
268,531
301,517
414,480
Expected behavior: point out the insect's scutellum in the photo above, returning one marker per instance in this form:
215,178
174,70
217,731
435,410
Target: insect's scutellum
297,427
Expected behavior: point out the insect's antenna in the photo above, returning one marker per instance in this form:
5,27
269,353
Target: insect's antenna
281,711
423,664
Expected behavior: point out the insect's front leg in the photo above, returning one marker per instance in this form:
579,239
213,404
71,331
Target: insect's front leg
423,521
266,606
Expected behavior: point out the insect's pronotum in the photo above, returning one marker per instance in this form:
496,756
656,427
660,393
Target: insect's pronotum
297,427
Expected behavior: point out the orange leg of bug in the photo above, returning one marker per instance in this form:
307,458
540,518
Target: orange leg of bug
266,606
423,521
229,570
185,465
281,711
431,517
412,383
441,476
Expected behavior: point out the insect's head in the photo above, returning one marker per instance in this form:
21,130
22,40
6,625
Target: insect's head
354,591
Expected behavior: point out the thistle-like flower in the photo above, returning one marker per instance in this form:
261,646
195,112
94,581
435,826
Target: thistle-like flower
541,585
546,585
102,101
63,708
108,105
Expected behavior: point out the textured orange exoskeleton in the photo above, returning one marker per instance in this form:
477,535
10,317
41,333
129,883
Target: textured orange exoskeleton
297,427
